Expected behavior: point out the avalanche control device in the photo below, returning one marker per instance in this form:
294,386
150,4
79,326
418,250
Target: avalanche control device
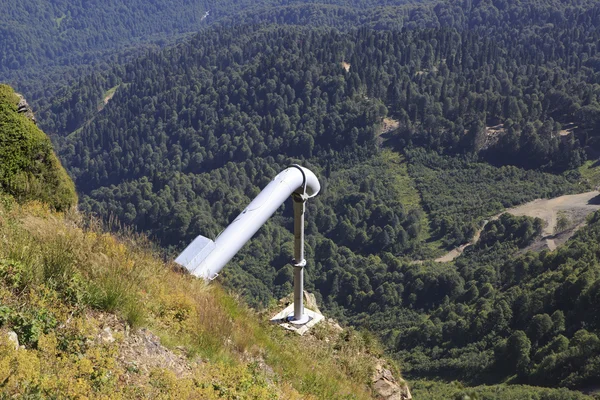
205,258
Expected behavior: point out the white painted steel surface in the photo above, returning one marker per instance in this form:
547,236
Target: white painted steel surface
205,258
299,261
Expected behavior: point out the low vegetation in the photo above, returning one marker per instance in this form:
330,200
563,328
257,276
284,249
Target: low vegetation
460,192
431,390
28,168
59,274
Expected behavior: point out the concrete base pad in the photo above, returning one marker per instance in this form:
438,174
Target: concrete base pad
282,319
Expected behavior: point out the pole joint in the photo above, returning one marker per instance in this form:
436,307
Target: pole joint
300,264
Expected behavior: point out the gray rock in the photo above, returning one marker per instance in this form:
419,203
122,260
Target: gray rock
12,337
106,335
388,387
24,108
310,302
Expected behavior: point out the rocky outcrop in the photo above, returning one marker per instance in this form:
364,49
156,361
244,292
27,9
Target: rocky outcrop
310,301
142,351
24,108
383,382
387,387
13,338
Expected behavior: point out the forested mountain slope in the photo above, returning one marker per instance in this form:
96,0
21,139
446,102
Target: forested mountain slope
84,313
194,132
495,103
46,45
64,32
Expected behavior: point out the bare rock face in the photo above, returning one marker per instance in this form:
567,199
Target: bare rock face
142,350
24,108
389,388
311,302
334,324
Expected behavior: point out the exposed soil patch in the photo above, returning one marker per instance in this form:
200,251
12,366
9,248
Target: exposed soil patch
107,97
570,210
346,66
492,135
494,130
567,129
575,206
388,125
452,254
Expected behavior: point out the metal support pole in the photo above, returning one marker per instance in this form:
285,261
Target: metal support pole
299,261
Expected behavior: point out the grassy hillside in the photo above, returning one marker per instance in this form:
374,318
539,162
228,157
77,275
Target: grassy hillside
81,301
100,316
29,169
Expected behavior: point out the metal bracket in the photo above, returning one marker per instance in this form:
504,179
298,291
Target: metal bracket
302,195
301,264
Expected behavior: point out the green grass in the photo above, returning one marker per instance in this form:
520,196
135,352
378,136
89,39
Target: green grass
432,390
74,133
590,173
58,271
407,192
107,96
29,169
110,92
59,20
397,167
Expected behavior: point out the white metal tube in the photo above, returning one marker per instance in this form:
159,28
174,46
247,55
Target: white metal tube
205,258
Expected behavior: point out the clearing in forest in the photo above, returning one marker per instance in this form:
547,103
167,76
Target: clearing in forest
388,125
404,185
107,96
567,129
562,217
405,188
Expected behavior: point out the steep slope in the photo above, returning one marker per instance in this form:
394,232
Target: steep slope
192,134
29,170
80,302
76,304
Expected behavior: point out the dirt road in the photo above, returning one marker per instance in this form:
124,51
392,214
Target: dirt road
573,209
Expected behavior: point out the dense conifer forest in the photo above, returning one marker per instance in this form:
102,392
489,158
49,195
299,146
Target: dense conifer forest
422,121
